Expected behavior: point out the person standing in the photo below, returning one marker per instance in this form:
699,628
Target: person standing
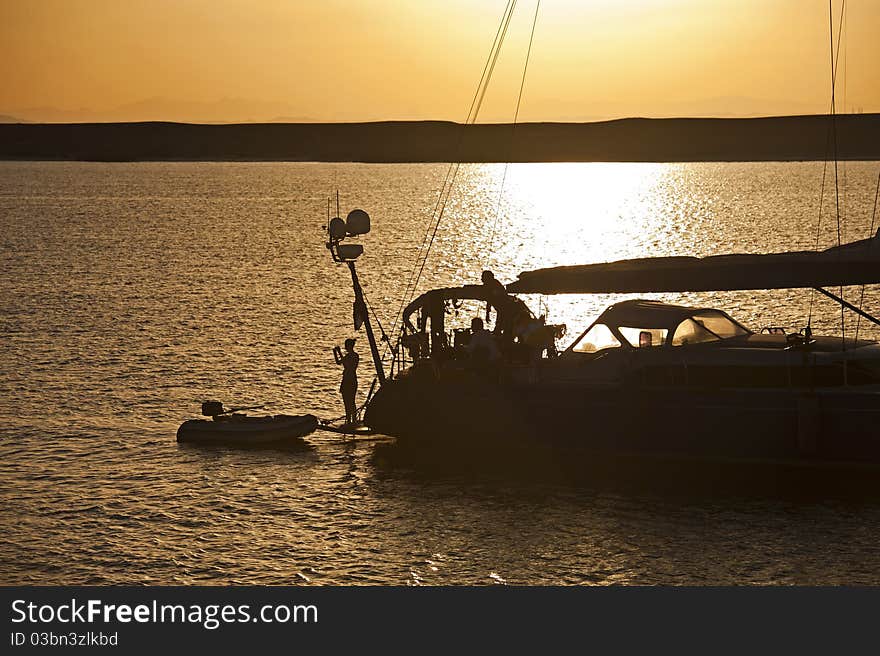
495,293
509,310
348,388
493,285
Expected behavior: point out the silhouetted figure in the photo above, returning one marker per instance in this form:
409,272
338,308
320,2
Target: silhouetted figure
435,310
494,292
509,309
533,336
492,284
482,347
349,385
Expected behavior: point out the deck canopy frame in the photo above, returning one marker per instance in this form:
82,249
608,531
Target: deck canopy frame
857,263
433,303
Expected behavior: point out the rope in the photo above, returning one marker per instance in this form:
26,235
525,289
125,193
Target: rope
834,141
457,166
452,169
832,133
870,234
384,339
819,221
522,85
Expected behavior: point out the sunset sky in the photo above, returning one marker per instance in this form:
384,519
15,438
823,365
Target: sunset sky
341,60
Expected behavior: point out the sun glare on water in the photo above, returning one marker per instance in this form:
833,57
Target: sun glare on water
563,213
553,214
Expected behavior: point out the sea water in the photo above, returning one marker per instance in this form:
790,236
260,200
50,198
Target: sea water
130,292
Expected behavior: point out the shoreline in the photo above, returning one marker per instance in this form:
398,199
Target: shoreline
783,139
179,160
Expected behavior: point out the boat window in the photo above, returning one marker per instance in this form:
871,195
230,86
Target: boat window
706,326
691,332
597,338
644,337
720,324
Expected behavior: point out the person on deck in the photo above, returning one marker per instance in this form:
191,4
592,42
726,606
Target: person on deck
534,336
495,297
349,385
494,287
482,347
509,309
495,291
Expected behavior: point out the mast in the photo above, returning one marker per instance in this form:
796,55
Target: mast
356,223
360,310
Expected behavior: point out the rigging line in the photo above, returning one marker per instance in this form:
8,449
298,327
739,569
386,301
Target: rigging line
384,338
492,67
834,141
870,234
819,225
835,59
508,10
457,165
844,204
834,62
522,85
412,281
449,168
495,44
522,82
375,316
835,67
410,288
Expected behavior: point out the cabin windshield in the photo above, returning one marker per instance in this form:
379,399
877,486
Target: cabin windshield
644,337
706,326
720,324
597,338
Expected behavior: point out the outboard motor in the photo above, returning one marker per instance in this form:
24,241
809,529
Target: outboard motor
212,408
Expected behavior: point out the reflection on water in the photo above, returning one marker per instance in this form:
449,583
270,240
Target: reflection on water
131,292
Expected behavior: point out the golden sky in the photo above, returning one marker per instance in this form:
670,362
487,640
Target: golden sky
334,60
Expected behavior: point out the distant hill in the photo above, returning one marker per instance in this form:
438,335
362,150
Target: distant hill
4,118
633,139
223,110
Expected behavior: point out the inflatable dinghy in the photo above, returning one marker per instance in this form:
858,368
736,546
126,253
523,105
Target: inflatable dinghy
228,427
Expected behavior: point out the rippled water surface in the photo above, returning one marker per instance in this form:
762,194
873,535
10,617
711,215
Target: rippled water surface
131,292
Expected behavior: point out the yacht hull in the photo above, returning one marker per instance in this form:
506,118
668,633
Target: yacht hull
819,426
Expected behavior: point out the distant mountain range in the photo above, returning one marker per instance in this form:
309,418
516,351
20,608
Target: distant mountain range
241,110
636,139
225,110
